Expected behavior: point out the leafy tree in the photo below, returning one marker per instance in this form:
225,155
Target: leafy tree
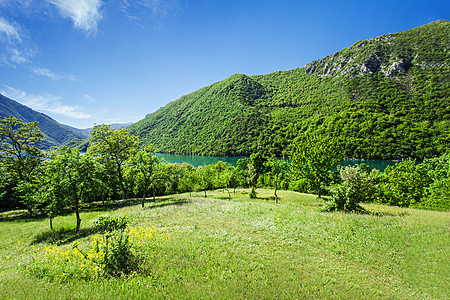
141,168
19,152
276,168
404,184
312,160
114,147
71,176
189,179
357,186
205,176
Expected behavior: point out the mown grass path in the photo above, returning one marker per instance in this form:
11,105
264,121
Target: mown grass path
243,248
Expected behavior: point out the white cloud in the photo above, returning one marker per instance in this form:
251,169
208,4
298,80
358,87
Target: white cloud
15,47
85,14
47,73
10,31
45,103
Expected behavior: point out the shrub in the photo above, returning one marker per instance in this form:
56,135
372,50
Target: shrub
109,224
357,186
118,258
404,184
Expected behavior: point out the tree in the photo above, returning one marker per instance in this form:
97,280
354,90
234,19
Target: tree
357,186
19,151
71,176
141,168
313,158
188,180
205,178
114,147
276,167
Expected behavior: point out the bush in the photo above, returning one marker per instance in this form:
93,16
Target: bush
404,184
357,186
118,258
109,224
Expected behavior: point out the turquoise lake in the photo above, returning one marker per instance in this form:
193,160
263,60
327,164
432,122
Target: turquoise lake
209,160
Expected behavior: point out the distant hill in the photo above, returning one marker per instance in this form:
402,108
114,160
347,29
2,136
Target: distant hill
55,133
87,131
383,98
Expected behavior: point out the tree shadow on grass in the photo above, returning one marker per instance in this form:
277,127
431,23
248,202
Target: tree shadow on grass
62,236
24,216
163,202
66,236
383,213
367,212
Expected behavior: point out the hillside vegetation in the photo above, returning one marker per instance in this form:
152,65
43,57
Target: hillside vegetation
55,133
384,98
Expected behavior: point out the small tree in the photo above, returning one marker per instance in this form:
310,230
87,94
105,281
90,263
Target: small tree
205,178
277,167
312,160
71,175
188,180
114,147
141,168
20,154
357,186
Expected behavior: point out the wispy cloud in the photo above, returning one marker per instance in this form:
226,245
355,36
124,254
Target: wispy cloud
85,14
157,10
46,103
9,31
14,49
48,73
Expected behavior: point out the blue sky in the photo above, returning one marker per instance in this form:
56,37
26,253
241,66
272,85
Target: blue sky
86,62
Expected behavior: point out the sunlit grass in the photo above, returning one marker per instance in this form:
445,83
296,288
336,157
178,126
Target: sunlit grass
244,248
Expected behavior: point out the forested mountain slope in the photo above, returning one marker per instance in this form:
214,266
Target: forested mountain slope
383,98
55,133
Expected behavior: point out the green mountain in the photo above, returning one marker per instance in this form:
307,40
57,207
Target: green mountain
55,133
383,98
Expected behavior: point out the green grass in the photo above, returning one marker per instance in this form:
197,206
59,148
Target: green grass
246,248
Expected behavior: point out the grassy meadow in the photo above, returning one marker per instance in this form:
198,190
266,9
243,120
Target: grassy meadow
241,248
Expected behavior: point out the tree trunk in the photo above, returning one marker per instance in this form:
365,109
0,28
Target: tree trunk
276,187
318,192
154,195
77,213
143,197
205,193
103,199
51,223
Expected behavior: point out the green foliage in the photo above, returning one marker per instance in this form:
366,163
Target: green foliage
70,176
109,224
381,114
404,184
20,156
437,194
114,147
357,186
141,170
312,160
117,256
55,133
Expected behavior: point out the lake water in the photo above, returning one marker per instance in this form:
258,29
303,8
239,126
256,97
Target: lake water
196,160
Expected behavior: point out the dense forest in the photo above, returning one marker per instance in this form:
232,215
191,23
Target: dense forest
383,98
